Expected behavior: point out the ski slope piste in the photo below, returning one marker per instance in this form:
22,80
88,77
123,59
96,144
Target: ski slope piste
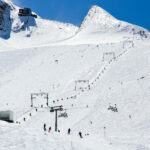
99,72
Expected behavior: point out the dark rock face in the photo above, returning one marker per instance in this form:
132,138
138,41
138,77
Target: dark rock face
5,20
1,20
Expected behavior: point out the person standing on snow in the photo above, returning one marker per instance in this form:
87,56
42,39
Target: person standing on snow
44,126
69,130
80,134
49,130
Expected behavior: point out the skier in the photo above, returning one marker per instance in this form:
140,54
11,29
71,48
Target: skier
80,134
44,126
69,130
24,119
49,130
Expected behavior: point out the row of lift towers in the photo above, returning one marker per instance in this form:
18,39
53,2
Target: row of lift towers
80,85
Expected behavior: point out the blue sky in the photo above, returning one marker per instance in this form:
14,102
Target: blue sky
73,11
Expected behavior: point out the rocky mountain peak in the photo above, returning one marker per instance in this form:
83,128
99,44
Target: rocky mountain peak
98,16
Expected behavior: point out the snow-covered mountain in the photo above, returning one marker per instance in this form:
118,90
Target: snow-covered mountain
98,16
90,70
99,26
24,29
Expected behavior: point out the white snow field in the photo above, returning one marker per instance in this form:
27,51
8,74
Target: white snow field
104,62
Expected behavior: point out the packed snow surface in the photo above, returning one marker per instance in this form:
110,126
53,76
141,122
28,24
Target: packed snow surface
99,72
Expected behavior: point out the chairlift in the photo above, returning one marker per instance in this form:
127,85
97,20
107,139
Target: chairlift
113,108
60,108
63,114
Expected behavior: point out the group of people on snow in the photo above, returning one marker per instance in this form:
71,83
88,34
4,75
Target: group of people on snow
44,128
80,133
69,130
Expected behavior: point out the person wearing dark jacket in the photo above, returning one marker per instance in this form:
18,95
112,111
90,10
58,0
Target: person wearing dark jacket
80,134
44,126
69,130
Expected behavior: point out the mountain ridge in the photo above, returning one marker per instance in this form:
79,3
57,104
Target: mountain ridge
41,31
103,20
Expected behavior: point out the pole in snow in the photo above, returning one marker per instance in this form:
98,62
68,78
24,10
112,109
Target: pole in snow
56,108
104,132
56,120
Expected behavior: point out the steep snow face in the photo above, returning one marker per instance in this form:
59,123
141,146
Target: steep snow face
101,27
98,16
104,21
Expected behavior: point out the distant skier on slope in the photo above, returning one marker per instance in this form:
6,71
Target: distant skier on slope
49,130
80,134
24,119
44,126
69,130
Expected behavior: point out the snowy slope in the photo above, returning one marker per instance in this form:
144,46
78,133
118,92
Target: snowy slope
120,84
38,73
41,32
40,62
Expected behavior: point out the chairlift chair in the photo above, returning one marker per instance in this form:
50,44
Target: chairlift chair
64,114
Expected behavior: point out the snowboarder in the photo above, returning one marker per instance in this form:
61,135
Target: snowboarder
69,130
80,134
44,126
49,130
